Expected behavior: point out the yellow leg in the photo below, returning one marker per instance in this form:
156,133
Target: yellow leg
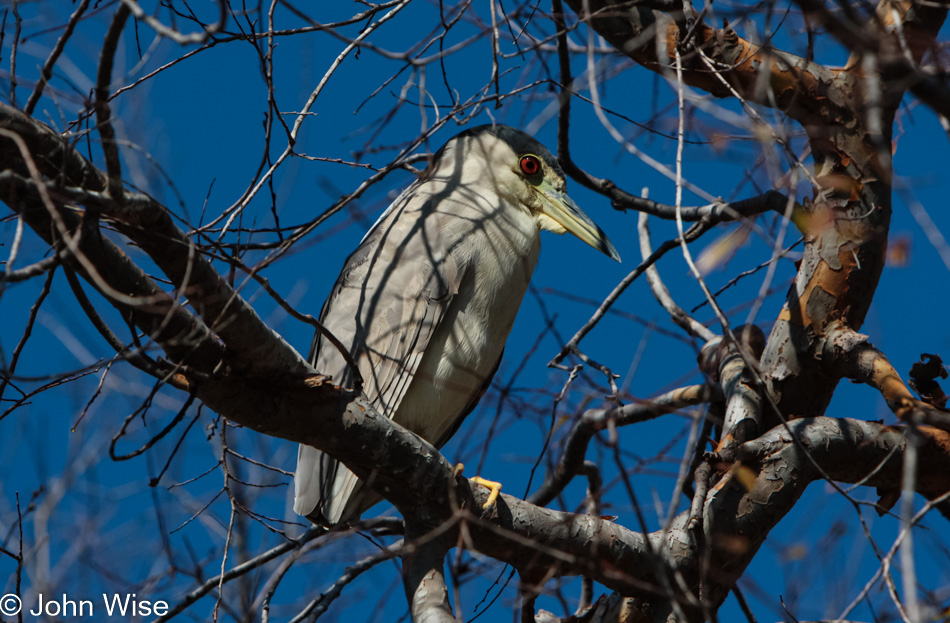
495,487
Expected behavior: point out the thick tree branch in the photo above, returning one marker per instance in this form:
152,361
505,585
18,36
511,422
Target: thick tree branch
251,344
635,30
182,336
424,580
855,451
849,354
739,517
898,36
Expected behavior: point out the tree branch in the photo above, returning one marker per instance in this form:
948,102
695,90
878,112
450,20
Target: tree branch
849,354
594,420
251,344
635,30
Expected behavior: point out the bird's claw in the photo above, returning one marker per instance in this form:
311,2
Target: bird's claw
494,487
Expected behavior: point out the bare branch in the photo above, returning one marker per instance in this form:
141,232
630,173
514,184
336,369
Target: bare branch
595,420
680,317
250,342
849,354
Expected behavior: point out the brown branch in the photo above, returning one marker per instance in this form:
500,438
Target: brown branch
849,354
898,35
635,29
594,420
101,104
846,227
28,272
7,374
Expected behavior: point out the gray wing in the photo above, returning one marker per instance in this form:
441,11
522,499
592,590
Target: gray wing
386,304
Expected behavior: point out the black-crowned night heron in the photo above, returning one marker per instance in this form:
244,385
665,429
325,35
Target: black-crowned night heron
428,298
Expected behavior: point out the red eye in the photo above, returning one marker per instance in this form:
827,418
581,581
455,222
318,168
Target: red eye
530,165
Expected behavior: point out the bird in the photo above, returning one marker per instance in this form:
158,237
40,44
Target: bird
425,303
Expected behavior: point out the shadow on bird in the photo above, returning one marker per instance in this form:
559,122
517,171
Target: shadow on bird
426,301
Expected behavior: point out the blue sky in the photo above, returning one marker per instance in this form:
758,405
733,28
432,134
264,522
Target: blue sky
199,124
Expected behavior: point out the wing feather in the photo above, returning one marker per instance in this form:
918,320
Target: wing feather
387,303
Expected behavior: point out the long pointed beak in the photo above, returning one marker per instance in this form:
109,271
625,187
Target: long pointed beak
562,209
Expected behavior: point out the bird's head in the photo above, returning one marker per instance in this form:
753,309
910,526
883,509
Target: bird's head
522,171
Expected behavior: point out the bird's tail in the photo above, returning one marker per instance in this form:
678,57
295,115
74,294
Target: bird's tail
327,492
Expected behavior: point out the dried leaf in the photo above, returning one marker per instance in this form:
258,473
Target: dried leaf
923,375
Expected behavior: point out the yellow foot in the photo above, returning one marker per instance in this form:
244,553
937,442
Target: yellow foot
495,487
489,484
